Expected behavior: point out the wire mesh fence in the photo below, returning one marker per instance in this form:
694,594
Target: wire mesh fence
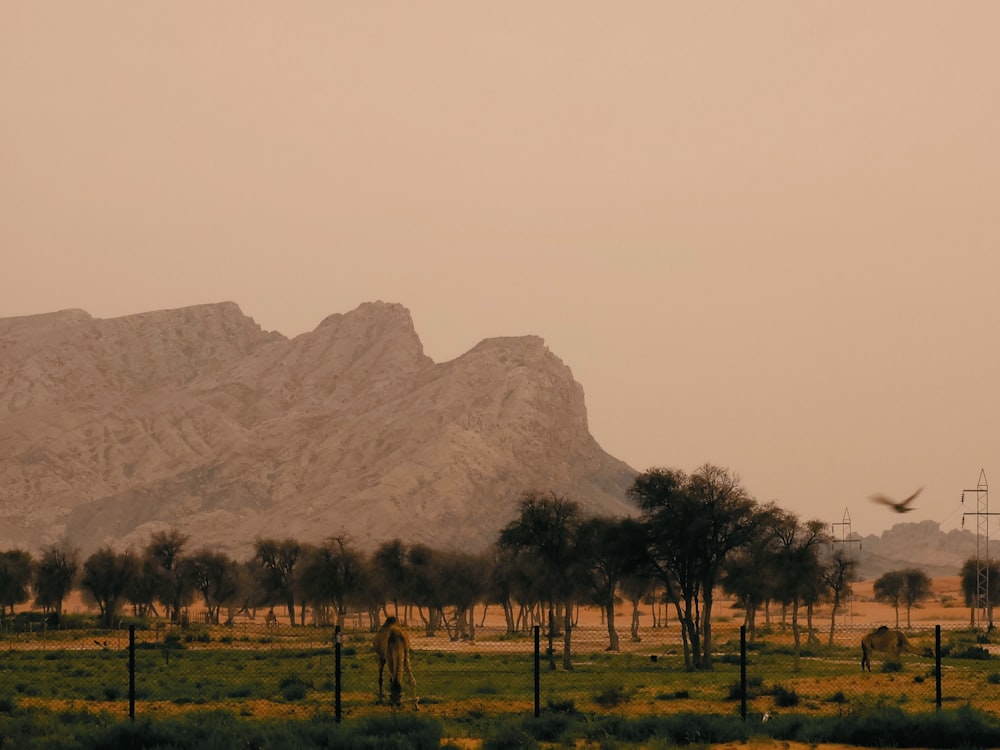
259,669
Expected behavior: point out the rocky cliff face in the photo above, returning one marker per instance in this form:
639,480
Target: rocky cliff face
199,420
916,545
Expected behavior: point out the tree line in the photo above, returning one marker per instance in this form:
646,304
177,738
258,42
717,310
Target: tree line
694,534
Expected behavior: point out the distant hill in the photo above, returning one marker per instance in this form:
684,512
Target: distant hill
197,419
915,545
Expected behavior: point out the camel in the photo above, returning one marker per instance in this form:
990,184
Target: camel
393,648
892,642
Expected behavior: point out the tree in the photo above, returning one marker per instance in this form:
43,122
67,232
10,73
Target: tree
611,550
902,588
800,578
55,573
977,572
752,572
546,528
466,581
389,566
332,575
216,577
916,588
15,580
839,572
173,587
276,566
106,577
693,523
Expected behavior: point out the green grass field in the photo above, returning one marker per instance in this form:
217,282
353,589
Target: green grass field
480,689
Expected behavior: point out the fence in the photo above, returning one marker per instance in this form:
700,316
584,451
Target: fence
253,669
257,670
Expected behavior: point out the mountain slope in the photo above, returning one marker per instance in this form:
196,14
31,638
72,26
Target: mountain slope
197,419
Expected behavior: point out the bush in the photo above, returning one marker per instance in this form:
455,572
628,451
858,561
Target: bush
613,696
891,665
293,688
510,738
784,697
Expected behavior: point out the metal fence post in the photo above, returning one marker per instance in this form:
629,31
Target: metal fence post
937,663
538,672
131,673
743,672
337,639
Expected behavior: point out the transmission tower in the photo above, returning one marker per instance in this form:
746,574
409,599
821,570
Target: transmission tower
982,608
845,539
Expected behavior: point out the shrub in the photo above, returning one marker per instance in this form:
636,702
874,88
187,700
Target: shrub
891,665
970,652
784,697
510,738
561,707
613,696
293,687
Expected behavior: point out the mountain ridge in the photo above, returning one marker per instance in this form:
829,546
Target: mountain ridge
197,418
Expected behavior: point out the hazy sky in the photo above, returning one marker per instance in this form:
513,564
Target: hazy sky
764,235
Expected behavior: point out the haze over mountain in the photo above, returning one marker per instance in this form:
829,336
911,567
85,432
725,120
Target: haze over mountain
198,419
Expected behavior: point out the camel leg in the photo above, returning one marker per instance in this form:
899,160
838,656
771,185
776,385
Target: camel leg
413,682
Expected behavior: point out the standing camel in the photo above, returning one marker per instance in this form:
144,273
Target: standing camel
892,642
392,647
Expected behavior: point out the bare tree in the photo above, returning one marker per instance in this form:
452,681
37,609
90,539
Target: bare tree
839,572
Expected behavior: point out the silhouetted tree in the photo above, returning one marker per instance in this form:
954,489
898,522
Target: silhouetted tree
173,586
276,567
610,550
546,528
978,573
333,574
15,580
388,564
693,524
902,588
216,577
800,577
839,572
105,580
55,574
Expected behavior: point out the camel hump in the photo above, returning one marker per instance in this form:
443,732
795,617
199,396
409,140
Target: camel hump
882,628
390,620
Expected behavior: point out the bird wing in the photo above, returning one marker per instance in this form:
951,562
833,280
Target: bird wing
882,499
904,503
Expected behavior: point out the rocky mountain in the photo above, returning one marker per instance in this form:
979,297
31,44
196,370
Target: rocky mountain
197,419
916,545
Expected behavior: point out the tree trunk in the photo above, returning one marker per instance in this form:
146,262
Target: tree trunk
609,608
706,629
567,630
635,621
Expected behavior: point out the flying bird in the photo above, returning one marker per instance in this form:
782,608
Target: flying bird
901,506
